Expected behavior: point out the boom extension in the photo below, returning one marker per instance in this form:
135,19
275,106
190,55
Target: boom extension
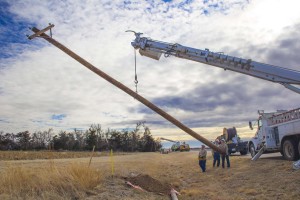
168,140
154,49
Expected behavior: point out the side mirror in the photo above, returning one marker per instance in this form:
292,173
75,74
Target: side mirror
250,125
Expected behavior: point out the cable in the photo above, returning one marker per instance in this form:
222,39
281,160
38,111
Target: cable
135,74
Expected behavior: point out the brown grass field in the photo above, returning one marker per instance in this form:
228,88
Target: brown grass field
270,177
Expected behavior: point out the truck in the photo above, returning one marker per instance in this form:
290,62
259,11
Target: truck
276,132
282,136
233,141
178,146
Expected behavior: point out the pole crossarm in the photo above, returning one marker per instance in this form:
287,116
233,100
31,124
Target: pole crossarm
39,33
128,91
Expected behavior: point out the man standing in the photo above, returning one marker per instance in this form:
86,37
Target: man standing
216,155
223,146
202,158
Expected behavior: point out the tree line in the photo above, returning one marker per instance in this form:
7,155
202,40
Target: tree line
139,139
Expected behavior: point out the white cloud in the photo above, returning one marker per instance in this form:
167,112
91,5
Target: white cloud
44,81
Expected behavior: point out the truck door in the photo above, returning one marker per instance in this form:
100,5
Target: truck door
271,137
276,134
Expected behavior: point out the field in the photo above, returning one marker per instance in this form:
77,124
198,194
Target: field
270,177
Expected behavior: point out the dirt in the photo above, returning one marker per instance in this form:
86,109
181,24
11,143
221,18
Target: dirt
150,184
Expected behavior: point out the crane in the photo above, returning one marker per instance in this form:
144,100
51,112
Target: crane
168,140
177,146
154,49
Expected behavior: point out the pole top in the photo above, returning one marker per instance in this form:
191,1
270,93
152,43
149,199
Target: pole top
38,34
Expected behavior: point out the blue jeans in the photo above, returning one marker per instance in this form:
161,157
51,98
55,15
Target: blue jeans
227,160
216,159
202,164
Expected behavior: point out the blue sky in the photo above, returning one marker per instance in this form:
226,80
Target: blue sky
41,87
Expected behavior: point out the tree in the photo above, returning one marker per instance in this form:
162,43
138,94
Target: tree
90,138
7,141
60,140
23,139
79,140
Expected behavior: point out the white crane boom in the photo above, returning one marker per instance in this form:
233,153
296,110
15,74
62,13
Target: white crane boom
169,140
154,49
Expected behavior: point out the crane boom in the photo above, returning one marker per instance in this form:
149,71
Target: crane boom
154,49
168,140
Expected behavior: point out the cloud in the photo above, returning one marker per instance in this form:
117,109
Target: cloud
38,81
285,50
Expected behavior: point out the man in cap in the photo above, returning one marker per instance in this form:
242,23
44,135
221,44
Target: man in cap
223,146
216,154
202,158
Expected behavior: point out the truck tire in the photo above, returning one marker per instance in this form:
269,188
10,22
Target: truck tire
299,148
252,150
243,152
290,150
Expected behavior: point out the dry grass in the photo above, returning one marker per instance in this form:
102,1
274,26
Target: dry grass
267,178
33,155
48,182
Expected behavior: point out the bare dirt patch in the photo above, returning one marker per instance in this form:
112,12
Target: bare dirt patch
150,184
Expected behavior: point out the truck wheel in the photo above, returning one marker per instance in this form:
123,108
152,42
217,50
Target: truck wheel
299,148
252,150
243,152
290,150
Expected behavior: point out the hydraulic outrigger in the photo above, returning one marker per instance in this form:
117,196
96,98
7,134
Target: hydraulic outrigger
41,33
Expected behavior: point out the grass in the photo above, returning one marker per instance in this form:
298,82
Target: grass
48,181
267,178
34,155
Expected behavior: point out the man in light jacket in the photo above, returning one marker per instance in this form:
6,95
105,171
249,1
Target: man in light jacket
202,158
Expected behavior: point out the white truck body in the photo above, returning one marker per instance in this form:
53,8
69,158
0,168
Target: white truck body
277,132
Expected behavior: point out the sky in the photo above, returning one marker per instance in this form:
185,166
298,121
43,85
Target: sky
41,87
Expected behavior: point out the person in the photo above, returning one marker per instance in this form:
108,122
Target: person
216,155
225,155
202,158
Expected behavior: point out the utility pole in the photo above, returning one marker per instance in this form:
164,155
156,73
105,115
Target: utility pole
42,34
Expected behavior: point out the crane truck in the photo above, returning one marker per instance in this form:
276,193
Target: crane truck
280,136
276,132
177,146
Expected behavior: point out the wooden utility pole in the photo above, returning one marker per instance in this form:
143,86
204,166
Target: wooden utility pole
41,33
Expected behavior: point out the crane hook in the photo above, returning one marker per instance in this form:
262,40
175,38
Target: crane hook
136,34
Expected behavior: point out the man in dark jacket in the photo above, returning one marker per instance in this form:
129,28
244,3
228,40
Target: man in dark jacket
223,146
